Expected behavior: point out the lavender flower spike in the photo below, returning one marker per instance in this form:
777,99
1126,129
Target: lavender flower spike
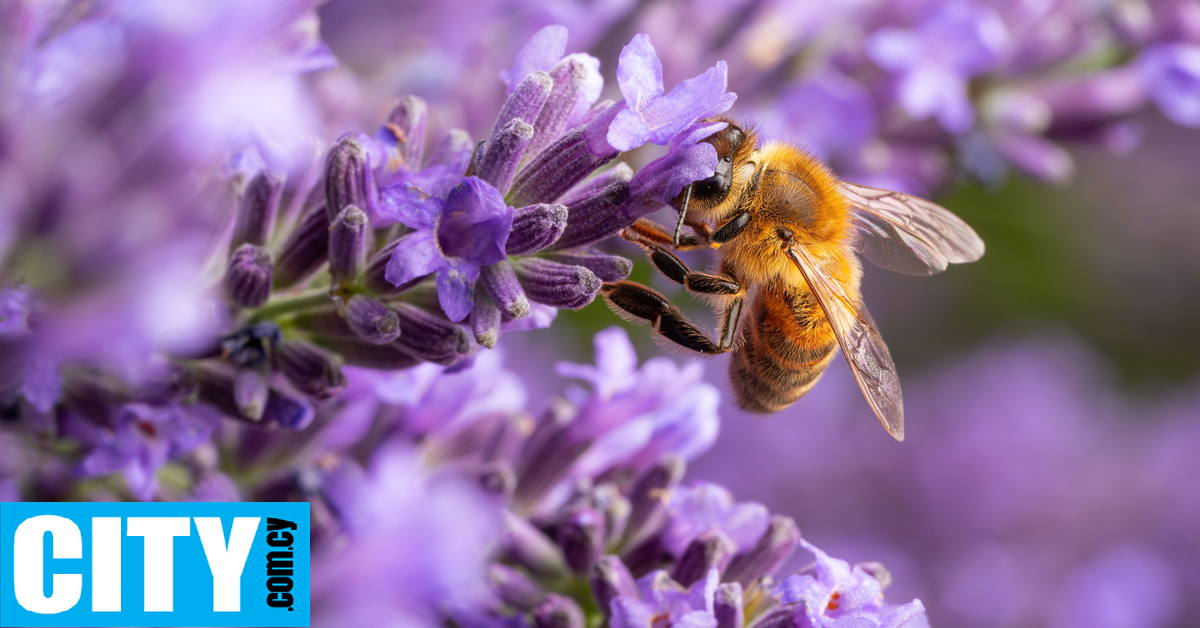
248,278
653,116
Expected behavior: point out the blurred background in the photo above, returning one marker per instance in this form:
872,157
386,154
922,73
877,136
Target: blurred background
1053,399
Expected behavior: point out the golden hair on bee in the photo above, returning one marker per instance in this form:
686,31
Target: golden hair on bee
786,231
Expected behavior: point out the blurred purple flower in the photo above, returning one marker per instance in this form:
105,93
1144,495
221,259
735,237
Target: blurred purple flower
663,602
417,545
454,238
830,112
935,60
834,590
144,438
705,506
635,416
1172,75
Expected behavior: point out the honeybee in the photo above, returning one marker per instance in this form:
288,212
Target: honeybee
786,230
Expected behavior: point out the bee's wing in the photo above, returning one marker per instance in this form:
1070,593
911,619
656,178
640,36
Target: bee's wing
860,341
907,234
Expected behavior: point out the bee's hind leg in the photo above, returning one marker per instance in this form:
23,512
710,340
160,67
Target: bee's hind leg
638,303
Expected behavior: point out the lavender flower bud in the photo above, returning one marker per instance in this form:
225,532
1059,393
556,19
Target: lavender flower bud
256,216
568,77
775,547
375,275
606,267
429,337
346,176
610,579
595,216
248,277
727,605
526,101
485,320
618,173
557,169
348,242
311,369
547,455
305,249
501,283
406,122
250,391
557,285
528,547
372,320
649,497
535,227
504,152
647,556
216,387
712,549
581,538
497,479
93,396
615,507
368,355
557,611
514,588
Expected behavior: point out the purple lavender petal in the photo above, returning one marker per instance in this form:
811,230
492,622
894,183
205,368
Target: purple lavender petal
476,223
416,256
652,116
542,52
630,612
664,178
456,287
639,72
411,206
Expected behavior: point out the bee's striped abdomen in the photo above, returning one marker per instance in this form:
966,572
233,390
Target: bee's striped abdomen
788,343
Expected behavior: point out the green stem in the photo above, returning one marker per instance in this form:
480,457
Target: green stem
309,300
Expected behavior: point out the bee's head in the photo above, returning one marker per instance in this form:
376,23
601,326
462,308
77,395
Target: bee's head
734,147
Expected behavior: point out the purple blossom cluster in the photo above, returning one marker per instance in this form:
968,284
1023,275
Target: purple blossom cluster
246,296
900,94
504,519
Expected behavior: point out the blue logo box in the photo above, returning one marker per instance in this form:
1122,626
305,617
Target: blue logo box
154,564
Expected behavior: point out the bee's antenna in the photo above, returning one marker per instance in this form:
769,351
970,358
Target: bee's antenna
683,212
